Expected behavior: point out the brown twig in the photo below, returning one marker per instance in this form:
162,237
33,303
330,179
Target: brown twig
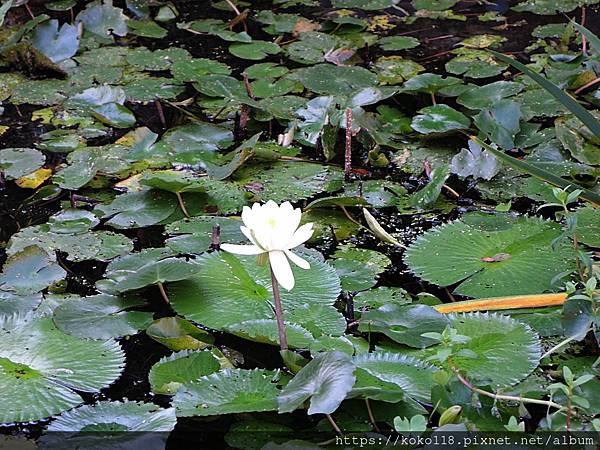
587,85
161,113
348,153
248,86
215,238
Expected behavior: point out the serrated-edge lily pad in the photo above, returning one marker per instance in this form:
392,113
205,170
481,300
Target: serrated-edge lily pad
410,374
205,299
229,391
170,372
498,341
128,416
494,255
42,381
265,330
100,317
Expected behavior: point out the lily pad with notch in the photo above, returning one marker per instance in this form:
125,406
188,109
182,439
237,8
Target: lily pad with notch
106,317
206,299
492,255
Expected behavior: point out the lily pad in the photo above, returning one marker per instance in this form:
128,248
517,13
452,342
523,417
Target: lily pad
197,142
147,267
171,372
17,162
138,209
492,256
57,44
42,381
195,235
229,391
179,334
255,50
405,324
291,181
205,299
413,377
266,331
396,43
99,245
103,19
475,162
326,381
500,122
496,341
328,79
115,416
358,268
439,119
486,96
588,226
105,317
29,271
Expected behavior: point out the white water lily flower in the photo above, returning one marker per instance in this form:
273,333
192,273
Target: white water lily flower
273,230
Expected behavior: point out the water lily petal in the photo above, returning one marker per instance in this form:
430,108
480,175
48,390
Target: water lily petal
248,233
301,235
281,269
242,249
248,216
300,262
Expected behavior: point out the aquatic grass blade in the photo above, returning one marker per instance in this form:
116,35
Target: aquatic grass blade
593,40
542,174
570,103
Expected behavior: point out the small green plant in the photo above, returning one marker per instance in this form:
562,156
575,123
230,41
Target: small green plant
569,388
564,198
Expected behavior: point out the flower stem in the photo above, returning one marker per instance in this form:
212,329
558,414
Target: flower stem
510,398
278,312
371,416
334,425
182,204
163,293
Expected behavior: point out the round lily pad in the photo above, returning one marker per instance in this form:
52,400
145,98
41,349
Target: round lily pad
229,391
491,255
105,317
205,299
115,416
43,380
